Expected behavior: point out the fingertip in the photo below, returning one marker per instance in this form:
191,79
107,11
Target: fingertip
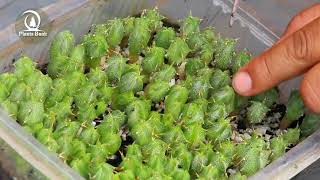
242,83
310,89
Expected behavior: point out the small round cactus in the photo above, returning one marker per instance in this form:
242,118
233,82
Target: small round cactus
256,112
164,37
190,25
153,60
178,51
157,90
224,53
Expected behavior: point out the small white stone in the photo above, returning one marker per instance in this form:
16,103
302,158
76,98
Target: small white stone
172,82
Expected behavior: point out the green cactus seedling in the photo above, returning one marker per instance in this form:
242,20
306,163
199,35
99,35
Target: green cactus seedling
166,73
295,109
101,171
8,80
210,34
81,165
89,135
292,135
139,37
210,172
155,147
131,81
153,60
215,111
97,77
111,141
164,37
96,47
157,90
30,112
154,18
138,111
226,96
4,93
268,97
201,85
310,124
224,54
206,53
115,32
199,162
45,137
220,79
62,44
193,66
178,51
256,112
190,25
115,68
142,133
128,23
10,107
192,113
121,100
175,100
194,135
219,131
183,156
174,136
241,59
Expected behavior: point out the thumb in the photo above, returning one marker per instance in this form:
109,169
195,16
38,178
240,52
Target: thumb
289,58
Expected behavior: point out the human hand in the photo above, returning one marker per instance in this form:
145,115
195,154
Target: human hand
297,52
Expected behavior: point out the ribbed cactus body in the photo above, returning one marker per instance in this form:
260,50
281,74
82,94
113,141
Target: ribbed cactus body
164,37
138,111
220,79
166,73
219,131
96,47
192,113
309,124
175,100
241,59
115,68
157,90
224,53
102,171
154,18
190,25
139,36
256,112
178,51
295,109
226,96
115,32
268,97
131,81
153,60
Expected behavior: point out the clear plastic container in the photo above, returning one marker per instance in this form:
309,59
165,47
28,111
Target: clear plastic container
78,16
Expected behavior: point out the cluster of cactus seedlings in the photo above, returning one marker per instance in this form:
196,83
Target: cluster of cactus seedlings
169,90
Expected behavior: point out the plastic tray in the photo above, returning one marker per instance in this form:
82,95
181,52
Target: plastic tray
78,16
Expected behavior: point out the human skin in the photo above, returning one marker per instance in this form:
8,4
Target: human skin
297,52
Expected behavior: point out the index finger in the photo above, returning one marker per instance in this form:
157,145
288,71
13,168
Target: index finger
289,58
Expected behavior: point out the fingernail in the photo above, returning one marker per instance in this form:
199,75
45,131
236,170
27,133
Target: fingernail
242,82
